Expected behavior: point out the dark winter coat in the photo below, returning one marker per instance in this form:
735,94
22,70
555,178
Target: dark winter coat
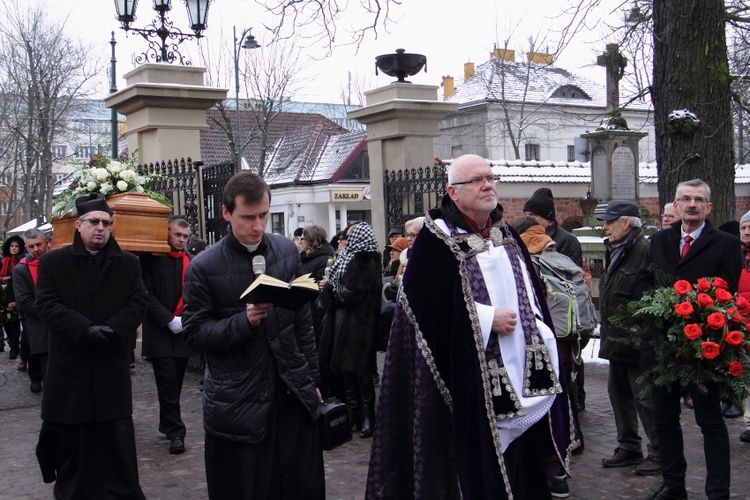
565,242
6,287
244,362
74,291
162,277
713,253
24,290
616,293
352,315
315,263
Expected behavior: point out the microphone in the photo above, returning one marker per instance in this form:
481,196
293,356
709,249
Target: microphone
259,265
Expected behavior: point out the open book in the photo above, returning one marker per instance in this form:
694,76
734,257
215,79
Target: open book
266,288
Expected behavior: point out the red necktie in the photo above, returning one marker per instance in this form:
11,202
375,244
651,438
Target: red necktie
686,246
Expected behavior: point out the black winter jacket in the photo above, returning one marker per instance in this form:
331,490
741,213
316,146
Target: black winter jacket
352,315
243,363
565,242
617,293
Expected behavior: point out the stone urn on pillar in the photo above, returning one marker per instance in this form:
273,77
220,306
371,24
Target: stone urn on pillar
400,65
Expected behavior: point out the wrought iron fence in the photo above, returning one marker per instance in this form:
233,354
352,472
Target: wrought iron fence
409,193
215,177
179,183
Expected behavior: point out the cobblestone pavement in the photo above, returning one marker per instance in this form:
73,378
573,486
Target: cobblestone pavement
169,477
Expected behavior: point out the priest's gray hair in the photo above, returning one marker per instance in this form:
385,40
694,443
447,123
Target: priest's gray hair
457,163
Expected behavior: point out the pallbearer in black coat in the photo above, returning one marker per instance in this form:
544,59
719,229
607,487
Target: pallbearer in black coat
91,297
25,276
163,277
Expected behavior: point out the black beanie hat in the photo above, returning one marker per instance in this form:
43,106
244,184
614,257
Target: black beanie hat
541,203
92,203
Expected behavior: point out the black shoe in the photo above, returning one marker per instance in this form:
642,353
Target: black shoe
368,427
621,458
664,493
13,354
177,446
745,436
36,387
733,411
558,487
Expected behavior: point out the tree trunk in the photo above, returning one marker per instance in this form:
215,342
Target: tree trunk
691,72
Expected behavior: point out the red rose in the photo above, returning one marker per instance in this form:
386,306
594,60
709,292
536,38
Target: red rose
703,285
684,309
720,283
710,349
734,315
716,321
704,300
722,295
682,287
693,331
735,368
742,303
734,338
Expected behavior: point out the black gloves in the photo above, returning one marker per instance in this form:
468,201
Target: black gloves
98,337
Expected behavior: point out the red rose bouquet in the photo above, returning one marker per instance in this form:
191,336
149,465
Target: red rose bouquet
698,333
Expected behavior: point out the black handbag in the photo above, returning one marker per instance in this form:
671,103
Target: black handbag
335,428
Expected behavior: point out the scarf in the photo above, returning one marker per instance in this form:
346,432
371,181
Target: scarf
9,262
33,266
362,239
185,262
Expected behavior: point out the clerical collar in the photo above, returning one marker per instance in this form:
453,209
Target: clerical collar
250,248
93,253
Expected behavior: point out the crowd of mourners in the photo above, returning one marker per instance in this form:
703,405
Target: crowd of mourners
479,396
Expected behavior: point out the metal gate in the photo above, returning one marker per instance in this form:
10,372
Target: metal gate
215,177
410,193
179,183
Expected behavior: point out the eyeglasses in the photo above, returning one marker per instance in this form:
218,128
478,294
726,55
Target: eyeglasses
688,199
411,236
478,181
96,222
670,217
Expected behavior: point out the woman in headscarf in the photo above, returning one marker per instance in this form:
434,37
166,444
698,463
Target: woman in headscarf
13,251
351,298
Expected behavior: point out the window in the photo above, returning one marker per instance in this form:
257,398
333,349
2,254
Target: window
570,92
571,153
84,151
277,223
532,152
58,151
358,169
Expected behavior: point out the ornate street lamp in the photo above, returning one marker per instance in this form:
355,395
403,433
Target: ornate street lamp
166,49
242,42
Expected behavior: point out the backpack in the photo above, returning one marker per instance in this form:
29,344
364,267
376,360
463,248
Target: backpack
568,297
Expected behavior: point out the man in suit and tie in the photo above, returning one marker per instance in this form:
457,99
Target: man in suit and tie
689,249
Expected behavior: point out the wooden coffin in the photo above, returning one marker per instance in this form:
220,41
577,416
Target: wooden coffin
140,224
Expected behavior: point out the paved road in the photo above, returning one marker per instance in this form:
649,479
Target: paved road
182,477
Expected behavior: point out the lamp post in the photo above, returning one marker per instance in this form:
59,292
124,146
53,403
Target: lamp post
240,43
163,29
88,125
112,89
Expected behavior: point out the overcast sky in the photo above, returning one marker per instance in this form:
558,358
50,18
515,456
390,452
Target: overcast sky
448,33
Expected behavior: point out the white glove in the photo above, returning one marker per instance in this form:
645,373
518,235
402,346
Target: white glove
175,325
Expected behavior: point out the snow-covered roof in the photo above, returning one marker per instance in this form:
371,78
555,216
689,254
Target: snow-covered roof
576,172
532,83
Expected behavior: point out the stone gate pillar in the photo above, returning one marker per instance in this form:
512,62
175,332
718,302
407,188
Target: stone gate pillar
402,121
165,106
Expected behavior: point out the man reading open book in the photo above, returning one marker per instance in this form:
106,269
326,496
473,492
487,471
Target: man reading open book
260,396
